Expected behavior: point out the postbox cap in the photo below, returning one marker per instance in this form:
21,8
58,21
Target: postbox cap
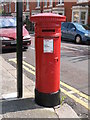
48,17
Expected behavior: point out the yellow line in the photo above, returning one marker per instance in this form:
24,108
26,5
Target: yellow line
75,90
32,72
29,65
75,99
14,59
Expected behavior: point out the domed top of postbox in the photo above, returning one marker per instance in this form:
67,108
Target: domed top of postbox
47,17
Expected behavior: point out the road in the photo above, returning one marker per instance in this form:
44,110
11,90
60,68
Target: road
74,83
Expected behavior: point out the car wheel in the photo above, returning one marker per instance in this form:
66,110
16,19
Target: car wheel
78,39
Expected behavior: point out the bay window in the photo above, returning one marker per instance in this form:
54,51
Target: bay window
80,16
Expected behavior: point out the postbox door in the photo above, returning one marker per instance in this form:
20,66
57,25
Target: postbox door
48,64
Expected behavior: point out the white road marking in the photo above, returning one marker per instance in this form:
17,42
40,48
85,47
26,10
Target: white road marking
72,48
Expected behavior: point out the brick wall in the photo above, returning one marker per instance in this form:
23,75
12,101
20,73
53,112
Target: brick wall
68,10
12,7
32,6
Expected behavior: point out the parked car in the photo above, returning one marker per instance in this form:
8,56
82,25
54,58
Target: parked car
8,33
75,32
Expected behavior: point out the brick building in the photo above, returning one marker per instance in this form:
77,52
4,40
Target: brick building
76,11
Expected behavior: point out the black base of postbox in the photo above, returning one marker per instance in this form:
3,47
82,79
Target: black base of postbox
47,100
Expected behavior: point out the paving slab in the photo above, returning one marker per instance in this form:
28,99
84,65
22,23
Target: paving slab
65,111
26,106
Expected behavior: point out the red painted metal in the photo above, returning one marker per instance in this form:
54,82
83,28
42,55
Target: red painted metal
47,28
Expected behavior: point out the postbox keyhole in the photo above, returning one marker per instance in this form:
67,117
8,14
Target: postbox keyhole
56,59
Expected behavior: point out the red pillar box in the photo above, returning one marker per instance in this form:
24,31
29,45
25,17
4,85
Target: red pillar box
47,48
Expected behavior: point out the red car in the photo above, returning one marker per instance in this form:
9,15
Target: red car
8,33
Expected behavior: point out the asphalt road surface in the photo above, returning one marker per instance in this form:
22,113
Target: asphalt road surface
74,84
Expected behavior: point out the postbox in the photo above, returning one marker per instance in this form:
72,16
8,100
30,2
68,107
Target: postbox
47,54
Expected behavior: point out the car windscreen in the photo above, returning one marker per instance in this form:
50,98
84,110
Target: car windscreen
7,22
79,27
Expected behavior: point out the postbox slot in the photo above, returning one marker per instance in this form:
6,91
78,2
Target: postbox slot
50,30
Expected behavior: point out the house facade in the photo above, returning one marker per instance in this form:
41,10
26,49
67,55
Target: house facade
75,11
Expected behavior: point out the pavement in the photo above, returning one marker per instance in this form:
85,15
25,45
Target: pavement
25,107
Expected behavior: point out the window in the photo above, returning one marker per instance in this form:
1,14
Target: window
9,7
65,25
80,17
45,3
83,16
7,22
82,0
80,14
2,7
6,8
27,5
76,16
50,2
38,3
60,2
71,26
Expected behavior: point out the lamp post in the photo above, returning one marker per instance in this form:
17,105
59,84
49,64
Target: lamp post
19,50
